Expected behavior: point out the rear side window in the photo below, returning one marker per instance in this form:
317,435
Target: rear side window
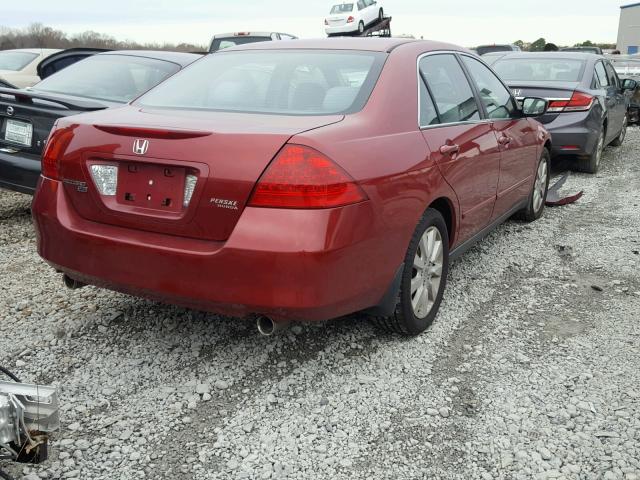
428,113
451,91
601,75
493,94
285,82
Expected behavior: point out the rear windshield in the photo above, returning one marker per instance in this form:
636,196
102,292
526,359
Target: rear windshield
626,67
284,82
114,78
15,61
539,69
222,43
494,48
342,8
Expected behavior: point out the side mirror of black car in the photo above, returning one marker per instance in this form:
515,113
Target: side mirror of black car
534,107
629,84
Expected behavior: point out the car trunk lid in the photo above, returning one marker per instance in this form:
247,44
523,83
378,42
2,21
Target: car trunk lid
222,155
551,91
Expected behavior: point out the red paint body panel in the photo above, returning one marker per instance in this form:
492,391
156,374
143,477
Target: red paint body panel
286,263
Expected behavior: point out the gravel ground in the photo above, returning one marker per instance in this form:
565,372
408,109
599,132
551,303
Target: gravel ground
530,371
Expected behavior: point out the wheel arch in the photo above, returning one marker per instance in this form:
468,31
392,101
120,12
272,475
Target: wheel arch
445,206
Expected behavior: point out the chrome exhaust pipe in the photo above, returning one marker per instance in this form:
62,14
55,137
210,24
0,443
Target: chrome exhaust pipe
72,284
268,327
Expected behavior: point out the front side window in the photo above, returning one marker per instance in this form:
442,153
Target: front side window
493,94
601,75
612,76
451,91
285,82
114,78
16,61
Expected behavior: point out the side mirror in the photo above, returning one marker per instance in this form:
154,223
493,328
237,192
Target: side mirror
628,84
534,107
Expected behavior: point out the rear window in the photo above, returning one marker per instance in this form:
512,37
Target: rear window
283,82
626,67
342,8
115,78
228,42
16,61
539,69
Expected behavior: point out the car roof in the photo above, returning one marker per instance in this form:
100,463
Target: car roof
181,58
38,51
248,34
383,44
552,55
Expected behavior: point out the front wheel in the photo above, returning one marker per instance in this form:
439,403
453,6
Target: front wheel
623,133
423,279
538,195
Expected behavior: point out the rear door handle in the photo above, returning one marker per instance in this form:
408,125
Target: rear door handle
504,140
449,149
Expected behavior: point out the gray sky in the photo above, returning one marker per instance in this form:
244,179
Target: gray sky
465,22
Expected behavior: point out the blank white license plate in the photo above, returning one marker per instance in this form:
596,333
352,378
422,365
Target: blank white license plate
18,132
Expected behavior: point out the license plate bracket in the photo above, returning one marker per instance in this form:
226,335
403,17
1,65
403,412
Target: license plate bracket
156,187
18,132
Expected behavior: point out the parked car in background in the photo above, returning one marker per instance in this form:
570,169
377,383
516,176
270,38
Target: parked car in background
102,81
493,57
628,68
227,40
275,160
588,105
594,50
64,58
484,49
353,16
19,68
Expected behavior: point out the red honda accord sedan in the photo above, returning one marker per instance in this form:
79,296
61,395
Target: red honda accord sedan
299,180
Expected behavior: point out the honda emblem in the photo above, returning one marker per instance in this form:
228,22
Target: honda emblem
140,146
517,92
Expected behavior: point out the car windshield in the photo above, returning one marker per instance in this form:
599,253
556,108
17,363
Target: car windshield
114,78
539,69
15,61
342,8
286,82
222,43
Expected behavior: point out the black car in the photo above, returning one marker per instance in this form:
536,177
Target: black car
587,100
105,80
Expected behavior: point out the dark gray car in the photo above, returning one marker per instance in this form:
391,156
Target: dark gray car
587,102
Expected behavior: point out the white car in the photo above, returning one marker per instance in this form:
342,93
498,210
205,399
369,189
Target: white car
19,68
353,17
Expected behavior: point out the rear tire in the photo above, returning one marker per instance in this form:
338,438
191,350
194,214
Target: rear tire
424,278
623,133
361,27
538,195
591,164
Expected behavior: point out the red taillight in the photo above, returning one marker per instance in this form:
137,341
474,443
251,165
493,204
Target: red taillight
57,143
579,102
301,177
351,20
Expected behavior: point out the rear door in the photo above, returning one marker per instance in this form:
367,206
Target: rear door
516,136
618,101
610,92
462,142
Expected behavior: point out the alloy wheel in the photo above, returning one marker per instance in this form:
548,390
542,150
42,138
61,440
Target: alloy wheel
540,186
427,272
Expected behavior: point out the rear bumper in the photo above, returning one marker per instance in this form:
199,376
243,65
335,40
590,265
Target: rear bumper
288,264
574,133
348,28
19,171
